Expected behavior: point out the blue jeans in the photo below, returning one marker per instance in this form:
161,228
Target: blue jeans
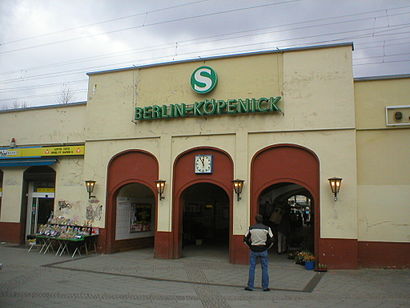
264,264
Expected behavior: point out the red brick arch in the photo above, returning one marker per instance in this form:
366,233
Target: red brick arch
183,177
131,166
286,163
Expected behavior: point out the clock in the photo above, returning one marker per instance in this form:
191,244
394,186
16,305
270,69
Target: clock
203,164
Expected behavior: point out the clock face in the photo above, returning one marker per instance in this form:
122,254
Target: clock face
203,164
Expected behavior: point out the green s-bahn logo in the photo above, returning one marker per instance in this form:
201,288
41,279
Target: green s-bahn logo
203,80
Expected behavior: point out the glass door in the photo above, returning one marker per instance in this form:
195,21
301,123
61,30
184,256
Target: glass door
39,207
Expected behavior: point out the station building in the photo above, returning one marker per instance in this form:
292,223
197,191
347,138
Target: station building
167,146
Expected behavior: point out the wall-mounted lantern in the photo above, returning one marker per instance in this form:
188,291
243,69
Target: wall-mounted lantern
335,184
89,185
160,188
237,186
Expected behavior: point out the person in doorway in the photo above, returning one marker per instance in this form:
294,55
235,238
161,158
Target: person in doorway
259,239
275,219
283,231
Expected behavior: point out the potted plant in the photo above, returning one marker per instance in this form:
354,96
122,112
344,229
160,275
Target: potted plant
309,261
321,267
304,257
299,258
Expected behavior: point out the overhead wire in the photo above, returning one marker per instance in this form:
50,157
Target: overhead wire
247,45
373,33
102,22
381,62
383,56
172,7
75,71
147,25
41,95
2,90
238,32
182,43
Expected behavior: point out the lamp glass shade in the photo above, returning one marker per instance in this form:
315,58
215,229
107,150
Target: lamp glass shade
238,185
89,185
160,185
335,184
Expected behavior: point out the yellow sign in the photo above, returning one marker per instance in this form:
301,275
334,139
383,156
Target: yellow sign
45,190
42,151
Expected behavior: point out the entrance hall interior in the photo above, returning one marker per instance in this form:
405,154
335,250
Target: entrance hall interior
134,218
206,220
38,206
289,210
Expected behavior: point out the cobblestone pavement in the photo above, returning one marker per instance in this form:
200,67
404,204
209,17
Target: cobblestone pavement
202,279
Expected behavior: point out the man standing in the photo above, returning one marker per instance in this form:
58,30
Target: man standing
259,238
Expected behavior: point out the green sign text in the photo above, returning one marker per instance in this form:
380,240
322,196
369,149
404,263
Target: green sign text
208,108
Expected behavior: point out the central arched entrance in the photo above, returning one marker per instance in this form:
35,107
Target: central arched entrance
206,219
186,181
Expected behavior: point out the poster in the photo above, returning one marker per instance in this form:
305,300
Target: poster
140,217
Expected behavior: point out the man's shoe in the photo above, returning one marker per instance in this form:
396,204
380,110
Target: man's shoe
248,289
266,290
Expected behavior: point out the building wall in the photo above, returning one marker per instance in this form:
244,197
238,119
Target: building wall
336,152
340,122
51,125
383,174
383,162
70,189
12,194
317,102
97,158
318,91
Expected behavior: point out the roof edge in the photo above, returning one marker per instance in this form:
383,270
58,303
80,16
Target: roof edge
44,107
223,57
382,77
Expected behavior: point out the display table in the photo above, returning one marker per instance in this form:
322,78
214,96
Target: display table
64,244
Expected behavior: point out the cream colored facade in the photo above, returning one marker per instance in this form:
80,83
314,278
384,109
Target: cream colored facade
324,110
383,161
44,126
296,77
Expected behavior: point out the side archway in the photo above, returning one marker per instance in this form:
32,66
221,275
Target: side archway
136,169
286,163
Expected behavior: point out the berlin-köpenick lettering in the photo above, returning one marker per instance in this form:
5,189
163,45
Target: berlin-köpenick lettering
208,108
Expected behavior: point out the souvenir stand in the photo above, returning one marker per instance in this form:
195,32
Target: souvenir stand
67,237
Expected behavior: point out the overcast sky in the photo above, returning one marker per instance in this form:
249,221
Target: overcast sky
48,46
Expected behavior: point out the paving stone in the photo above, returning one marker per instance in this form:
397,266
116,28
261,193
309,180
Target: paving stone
135,278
